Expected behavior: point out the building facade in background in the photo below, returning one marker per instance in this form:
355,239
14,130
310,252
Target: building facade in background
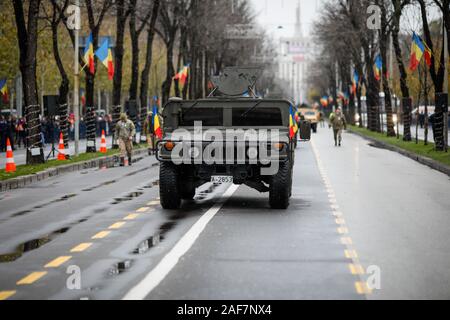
294,57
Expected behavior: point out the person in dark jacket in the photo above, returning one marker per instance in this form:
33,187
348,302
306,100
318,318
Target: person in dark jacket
11,131
3,127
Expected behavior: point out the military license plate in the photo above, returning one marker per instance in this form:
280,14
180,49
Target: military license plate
221,179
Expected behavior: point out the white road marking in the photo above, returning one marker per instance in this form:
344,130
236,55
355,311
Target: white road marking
170,260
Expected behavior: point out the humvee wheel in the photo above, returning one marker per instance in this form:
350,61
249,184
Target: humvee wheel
280,187
168,188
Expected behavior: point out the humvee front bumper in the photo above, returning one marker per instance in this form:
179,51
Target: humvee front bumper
211,153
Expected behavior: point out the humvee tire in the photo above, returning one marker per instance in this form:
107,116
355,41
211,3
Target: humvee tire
280,187
168,186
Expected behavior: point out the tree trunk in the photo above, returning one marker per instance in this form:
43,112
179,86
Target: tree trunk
401,66
170,73
27,39
134,35
63,87
145,76
437,77
384,39
121,18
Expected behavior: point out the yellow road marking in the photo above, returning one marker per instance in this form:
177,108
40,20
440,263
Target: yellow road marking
340,221
117,225
6,294
101,235
143,209
58,261
342,230
131,216
350,254
153,203
31,278
346,241
362,288
81,247
356,269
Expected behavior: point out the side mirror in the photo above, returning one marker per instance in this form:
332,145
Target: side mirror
305,130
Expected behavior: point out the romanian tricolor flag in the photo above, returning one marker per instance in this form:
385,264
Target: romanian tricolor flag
104,54
293,127
4,90
83,97
156,125
324,101
418,50
88,56
182,75
378,68
355,82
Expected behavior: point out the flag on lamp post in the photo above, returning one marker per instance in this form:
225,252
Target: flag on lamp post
88,56
4,90
378,67
104,54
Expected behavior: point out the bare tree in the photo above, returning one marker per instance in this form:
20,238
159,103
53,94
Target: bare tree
55,19
145,76
27,35
122,13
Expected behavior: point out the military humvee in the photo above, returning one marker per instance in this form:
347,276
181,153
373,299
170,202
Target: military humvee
230,137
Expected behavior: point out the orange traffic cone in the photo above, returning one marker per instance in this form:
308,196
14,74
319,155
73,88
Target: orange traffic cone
10,164
103,143
61,149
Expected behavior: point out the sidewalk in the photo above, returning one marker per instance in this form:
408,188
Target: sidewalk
20,154
421,132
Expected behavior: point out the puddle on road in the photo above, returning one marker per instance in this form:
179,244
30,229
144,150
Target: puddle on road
104,184
146,245
36,243
120,268
128,197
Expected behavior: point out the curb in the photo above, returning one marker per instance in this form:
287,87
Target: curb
21,182
433,164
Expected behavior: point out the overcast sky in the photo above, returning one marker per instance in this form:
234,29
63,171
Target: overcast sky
274,13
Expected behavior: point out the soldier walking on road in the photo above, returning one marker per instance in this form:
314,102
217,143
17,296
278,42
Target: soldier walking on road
125,131
338,122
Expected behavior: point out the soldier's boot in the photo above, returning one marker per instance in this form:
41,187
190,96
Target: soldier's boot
122,161
130,163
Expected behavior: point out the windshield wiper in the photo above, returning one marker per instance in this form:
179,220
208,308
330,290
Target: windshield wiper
251,109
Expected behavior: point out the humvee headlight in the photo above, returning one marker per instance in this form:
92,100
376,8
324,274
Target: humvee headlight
252,153
194,152
169,145
278,146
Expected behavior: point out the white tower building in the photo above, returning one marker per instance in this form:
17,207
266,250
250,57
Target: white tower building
294,54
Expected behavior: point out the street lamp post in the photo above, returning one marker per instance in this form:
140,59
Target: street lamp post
445,87
74,23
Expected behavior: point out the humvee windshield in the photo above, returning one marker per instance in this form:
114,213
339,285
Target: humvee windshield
210,117
240,117
264,117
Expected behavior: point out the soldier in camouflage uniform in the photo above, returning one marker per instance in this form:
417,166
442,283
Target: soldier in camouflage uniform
125,131
338,122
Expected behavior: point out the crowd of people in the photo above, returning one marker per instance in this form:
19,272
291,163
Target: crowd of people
14,129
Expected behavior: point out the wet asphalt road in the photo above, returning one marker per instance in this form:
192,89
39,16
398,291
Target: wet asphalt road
352,208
